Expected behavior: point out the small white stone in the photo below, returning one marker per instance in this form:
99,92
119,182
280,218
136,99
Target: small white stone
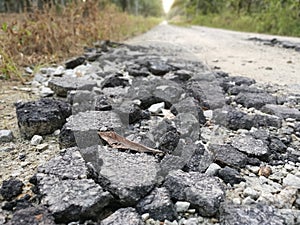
248,201
251,110
277,176
137,101
290,120
182,206
291,180
156,108
6,136
24,164
212,169
58,71
289,149
288,167
290,124
36,140
243,185
231,134
168,114
251,193
182,221
208,114
200,219
263,180
25,89
191,221
16,173
297,173
42,147
8,148
56,133
28,70
266,198
253,169
2,219
278,167
242,131
153,222
237,201
167,222
35,83
82,176
45,91
191,211
145,216
286,197
69,73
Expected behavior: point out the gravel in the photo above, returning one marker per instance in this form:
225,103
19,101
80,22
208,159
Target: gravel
226,158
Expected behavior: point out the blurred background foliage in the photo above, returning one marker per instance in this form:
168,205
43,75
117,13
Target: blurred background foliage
37,32
137,7
280,17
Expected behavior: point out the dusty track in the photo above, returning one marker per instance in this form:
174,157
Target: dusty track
230,51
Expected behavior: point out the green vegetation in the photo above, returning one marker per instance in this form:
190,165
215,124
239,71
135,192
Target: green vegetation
60,31
141,7
280,17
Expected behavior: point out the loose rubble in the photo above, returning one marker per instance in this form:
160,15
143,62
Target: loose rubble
227,148
276,42
41,117
36,140
203,192
6,136
11,188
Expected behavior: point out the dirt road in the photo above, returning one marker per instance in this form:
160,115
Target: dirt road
230,51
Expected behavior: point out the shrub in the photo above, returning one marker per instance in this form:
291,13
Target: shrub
53,34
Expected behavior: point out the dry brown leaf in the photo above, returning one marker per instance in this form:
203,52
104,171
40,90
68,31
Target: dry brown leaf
119,142
38,217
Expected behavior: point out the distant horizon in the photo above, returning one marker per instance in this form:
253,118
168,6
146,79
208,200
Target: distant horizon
167,4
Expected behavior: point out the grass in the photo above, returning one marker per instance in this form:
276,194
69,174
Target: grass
278,22
55,34
227,21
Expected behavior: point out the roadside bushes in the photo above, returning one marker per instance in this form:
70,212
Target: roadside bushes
53,34
264,16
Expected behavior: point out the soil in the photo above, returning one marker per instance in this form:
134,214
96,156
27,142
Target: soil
12,154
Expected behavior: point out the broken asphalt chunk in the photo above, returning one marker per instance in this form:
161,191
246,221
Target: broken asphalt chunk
205,193
61,85
127,176
81,129
41,117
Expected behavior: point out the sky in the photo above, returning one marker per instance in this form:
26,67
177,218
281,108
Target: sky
167,5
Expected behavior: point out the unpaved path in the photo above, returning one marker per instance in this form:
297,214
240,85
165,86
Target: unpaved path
230,51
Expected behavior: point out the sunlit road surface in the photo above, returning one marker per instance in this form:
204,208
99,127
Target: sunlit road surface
230,51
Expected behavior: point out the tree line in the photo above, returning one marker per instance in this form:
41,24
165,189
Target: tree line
141,7
271,16
13,6
239,6
195,7
137,7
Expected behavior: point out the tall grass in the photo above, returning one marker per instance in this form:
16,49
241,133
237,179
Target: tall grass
54,34
265,16
269,23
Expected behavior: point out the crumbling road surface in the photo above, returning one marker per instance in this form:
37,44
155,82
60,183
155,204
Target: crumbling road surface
231,52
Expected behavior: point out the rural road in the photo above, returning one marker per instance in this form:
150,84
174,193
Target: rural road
230,51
